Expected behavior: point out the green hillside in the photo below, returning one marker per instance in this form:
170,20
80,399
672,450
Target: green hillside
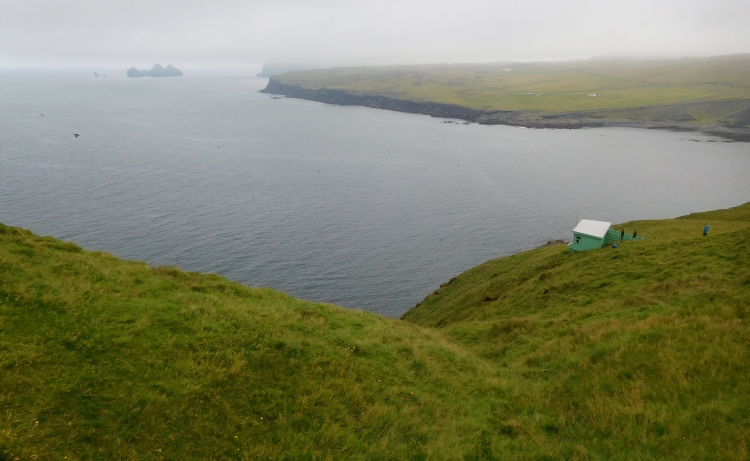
102,358
701,91
641,351
635,353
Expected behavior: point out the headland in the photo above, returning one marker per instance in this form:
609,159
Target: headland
710,95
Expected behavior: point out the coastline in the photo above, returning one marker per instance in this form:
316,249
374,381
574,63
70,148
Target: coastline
631,118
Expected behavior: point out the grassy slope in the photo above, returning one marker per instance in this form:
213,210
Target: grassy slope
102,358
643,349
639,352
619,84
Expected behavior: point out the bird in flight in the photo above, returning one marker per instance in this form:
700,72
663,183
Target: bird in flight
41,114
76,135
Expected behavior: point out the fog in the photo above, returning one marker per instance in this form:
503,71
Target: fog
247,33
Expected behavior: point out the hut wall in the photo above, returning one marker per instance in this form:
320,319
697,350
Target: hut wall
583,242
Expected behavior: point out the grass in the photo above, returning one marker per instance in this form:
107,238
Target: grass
109,359
640,352
635,352
560,87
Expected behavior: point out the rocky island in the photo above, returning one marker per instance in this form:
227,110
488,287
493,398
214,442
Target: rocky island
156,71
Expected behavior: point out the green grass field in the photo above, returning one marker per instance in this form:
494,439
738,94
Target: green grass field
560,87
636,353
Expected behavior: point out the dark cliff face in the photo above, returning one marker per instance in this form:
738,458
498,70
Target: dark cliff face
345,98
434,109
644,117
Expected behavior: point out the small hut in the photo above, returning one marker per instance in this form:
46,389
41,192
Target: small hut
589,235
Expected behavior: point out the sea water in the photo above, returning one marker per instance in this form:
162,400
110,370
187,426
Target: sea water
359,207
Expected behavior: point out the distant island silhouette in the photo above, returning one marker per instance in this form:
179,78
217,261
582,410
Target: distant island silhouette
156,71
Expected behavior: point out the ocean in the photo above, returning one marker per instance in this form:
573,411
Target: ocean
359,207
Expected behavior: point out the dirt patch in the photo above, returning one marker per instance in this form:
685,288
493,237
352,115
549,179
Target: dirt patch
554,243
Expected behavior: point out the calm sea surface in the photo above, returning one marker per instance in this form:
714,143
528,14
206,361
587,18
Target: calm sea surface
360,207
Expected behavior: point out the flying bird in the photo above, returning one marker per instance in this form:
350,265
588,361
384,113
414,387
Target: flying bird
76,135
41,114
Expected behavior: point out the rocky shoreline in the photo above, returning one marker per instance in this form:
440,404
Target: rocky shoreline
672,118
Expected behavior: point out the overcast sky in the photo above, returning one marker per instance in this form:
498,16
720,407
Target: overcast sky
247,33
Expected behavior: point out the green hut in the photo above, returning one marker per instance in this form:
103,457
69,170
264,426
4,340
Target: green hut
589,235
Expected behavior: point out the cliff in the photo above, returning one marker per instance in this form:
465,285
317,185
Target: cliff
346,98
711,95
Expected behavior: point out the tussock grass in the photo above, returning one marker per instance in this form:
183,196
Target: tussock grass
640,352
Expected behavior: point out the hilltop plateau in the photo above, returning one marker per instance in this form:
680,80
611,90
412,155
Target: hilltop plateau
698,94
637,352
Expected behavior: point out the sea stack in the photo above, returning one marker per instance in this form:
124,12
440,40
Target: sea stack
156,71
133,72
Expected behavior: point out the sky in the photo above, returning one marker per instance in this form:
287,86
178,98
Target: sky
248,33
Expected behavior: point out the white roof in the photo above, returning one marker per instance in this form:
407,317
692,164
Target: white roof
592,228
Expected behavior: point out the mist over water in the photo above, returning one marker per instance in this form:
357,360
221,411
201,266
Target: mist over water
359,207
328,33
